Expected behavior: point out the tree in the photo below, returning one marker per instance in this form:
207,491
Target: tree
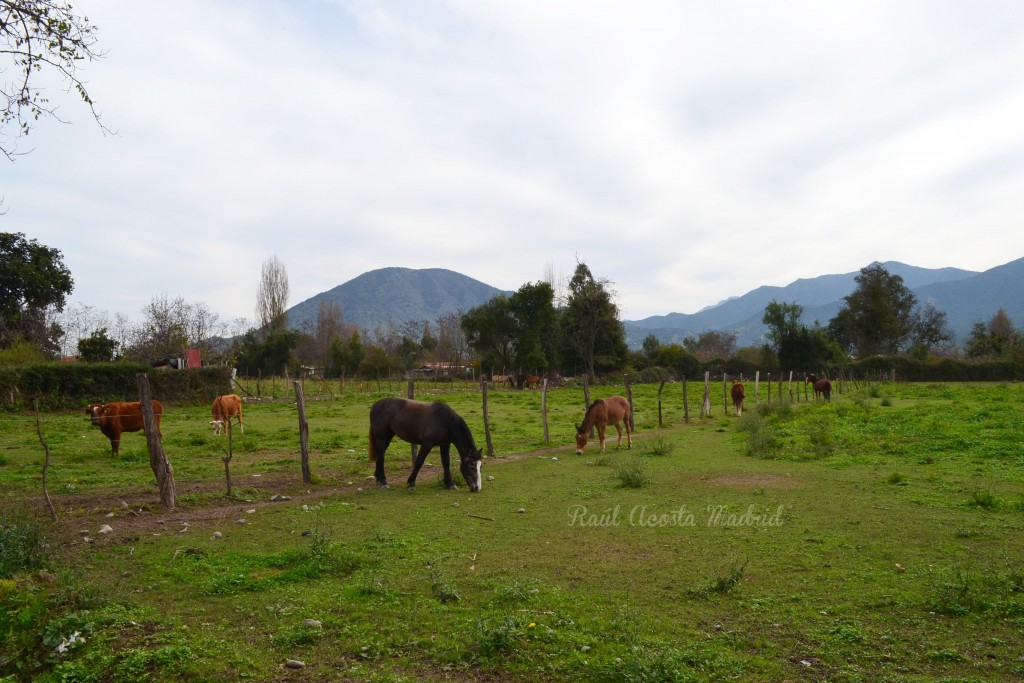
783,321
33,278
992,339
650,346
711,344
451,340
931,329
40,38
347,356
272,298
490,330
878,317
97,347
169,326
590,323
536,327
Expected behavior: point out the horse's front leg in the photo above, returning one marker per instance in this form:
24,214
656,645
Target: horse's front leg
446,463
600,436
421,457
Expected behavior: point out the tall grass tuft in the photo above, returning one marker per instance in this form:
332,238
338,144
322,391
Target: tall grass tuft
657,447
820,431
631,475
722,584
22,545
984,499
762,436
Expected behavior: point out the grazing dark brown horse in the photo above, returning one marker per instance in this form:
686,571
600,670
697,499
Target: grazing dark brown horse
601,413
429,425
822,387
738,394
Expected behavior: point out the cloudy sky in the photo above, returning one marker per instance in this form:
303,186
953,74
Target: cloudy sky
685,151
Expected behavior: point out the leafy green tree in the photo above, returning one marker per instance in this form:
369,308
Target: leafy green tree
375,363
994,339
591,325
33,278
678,359
40,39
270,356
97,347
535,341
346,356
650,346
490,330
878,317
783,321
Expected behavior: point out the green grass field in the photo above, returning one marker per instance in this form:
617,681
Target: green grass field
874,538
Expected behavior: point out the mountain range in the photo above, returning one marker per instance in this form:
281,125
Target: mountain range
400,295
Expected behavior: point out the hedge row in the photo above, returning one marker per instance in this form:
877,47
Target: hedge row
944,370
62,385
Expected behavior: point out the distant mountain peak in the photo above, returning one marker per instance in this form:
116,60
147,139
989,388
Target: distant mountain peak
396,295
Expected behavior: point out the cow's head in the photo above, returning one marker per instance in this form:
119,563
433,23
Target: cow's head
95,411
218,425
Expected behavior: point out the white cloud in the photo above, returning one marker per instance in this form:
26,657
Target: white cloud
686,152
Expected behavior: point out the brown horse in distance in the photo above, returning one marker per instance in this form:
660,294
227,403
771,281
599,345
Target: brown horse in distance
602,412
738,394
822,387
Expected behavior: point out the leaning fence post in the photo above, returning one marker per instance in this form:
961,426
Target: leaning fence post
307,477
157,457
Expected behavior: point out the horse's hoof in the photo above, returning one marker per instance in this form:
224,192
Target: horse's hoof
383,485
453,487
411,489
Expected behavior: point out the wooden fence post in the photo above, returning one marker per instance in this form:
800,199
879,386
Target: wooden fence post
157,457
725,394
686,403
487,424
307,476
705,406
544,408
661,388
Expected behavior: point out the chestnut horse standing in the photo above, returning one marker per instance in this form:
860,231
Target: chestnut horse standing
601,413
738,394
821,387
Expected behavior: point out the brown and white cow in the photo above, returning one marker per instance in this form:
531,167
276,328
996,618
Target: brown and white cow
224,408
115,418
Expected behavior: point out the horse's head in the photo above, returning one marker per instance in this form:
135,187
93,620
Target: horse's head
581,439
469,465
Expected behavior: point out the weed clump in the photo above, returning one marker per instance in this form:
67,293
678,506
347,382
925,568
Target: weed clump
22,545
632,475
657,447
762,435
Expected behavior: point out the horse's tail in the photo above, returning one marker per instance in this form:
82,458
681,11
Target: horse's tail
373,447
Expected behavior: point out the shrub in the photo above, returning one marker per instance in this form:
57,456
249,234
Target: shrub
763,440
22,546
632,475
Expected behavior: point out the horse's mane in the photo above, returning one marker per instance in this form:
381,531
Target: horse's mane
591,408
455,423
